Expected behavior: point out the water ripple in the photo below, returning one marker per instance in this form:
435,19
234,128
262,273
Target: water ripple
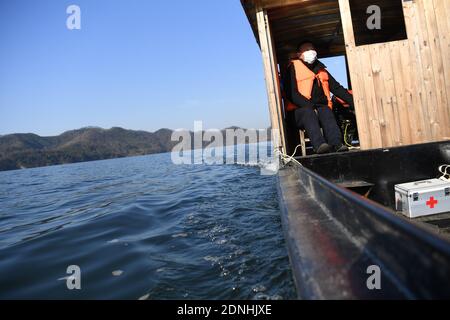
142,228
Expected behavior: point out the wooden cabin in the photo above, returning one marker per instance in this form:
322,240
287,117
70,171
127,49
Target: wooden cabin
399,74
339,211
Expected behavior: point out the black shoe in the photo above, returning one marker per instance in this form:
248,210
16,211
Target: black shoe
324,148
341,148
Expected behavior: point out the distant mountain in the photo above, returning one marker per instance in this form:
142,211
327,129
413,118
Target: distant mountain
91,143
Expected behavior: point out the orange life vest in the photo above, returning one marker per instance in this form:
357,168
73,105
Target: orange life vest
305,80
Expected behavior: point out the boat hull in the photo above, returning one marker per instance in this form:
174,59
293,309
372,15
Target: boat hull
335,236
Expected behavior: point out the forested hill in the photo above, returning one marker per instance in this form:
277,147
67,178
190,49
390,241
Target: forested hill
30,150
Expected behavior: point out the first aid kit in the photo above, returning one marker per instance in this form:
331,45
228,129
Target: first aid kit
422,198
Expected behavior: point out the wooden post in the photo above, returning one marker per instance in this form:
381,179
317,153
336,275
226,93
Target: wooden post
272,81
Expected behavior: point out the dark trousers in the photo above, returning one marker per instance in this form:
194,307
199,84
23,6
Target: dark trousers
306,118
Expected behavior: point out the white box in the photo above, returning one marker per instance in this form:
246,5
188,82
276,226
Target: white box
422,198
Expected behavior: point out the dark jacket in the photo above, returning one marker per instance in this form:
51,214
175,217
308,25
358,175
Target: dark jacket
318,97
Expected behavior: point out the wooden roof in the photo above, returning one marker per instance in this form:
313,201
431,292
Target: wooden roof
293,21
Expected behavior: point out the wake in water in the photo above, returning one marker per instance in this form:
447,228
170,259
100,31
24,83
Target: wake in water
258,155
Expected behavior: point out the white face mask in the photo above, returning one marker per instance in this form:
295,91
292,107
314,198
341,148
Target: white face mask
310,56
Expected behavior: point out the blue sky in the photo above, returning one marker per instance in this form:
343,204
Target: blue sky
138,64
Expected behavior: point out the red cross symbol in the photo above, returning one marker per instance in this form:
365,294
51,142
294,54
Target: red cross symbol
431,202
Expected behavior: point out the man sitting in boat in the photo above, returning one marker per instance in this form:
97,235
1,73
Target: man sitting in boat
308,87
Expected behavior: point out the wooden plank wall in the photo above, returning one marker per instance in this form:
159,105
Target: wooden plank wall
402,88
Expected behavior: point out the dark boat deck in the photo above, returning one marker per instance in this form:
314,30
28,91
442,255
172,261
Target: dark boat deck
338,220
374,173
439,223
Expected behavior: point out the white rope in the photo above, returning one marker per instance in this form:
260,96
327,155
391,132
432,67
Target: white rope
287,158
445,174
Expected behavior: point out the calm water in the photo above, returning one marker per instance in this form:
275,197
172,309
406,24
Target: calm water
142,228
